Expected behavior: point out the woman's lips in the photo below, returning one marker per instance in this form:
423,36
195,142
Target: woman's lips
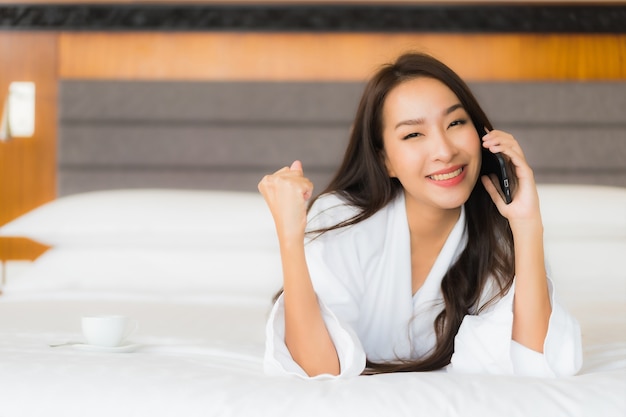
446,175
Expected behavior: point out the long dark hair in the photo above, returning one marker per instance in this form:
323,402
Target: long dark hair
362,180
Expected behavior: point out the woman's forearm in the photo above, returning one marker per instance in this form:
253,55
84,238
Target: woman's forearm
531,306
286,192
306,335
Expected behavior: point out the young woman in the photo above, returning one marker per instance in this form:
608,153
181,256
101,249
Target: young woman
410,260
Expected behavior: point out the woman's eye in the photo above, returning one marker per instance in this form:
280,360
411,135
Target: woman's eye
458,122
412,135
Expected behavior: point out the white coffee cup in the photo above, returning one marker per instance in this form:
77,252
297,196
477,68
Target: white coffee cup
107,330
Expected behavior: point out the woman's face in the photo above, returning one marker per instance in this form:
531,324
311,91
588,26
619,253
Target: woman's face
430,144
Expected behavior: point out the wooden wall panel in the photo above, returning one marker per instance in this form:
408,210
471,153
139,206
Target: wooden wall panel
335,57
28,165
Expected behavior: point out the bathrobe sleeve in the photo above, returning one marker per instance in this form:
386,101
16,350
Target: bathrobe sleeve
332,260
484,343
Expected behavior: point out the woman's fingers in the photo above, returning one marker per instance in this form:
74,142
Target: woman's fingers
286,193
498,141
296,166
288,178
525,203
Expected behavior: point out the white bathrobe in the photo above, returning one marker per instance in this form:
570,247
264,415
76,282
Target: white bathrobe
362,277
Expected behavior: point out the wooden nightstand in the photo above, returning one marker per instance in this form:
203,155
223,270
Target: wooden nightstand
18,249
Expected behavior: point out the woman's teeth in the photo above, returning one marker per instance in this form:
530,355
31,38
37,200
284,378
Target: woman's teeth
447,176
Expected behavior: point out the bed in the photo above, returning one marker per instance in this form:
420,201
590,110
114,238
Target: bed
200,288
192,257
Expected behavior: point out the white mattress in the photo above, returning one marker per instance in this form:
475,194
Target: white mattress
202,356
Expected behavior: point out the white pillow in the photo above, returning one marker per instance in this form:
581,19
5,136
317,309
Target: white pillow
149,217
583,210
156,270
161,217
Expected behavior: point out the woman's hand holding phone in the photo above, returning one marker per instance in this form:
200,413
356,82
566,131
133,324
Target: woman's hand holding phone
525,200
531,305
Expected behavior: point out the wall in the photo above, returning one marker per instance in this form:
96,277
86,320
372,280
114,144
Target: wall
335,57
27,166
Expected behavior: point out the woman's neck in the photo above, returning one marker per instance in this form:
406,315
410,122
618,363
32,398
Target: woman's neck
426,222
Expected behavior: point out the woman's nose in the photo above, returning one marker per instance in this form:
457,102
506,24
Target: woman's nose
443,147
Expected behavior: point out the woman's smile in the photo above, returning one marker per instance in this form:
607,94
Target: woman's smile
446,176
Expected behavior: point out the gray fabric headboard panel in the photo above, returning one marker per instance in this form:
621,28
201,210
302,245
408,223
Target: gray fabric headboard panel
208,135
569,132
198,135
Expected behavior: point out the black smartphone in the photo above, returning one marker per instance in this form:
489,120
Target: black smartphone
494,163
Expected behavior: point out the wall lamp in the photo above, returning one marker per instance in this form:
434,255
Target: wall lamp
18,114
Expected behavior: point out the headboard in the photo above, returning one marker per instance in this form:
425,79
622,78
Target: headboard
227,135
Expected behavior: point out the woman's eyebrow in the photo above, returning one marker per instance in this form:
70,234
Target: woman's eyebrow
410,122
419,121
452,108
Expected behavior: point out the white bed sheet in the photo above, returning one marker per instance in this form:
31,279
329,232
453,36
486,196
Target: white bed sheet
202,356
200,353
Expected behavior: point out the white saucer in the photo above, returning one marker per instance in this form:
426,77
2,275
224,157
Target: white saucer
106,349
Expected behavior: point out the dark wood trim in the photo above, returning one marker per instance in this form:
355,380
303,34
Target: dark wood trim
481,18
